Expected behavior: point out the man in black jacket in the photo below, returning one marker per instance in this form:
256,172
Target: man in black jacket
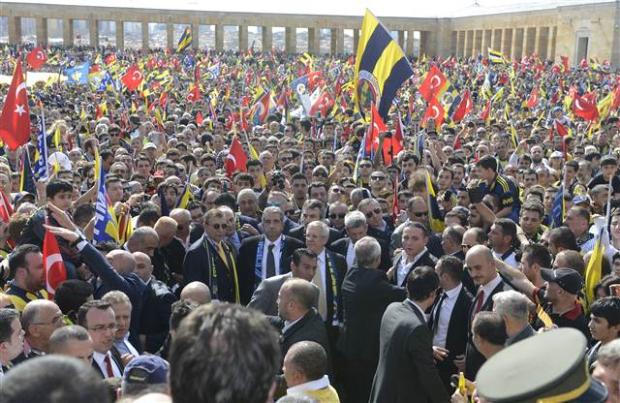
366,293
406,372
415,253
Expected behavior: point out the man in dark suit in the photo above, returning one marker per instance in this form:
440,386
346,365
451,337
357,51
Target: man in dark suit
154,323
417,211
356,228
379,227
366,293
406,371
481,265
414,254
268,255
448,319
212,260
313,210
303,265
451,241
298,320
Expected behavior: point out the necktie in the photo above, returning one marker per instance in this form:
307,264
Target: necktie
108,366
318,281
435,318
271,261
220,251
478,302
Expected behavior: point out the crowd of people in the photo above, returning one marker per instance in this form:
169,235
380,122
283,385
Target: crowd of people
317,264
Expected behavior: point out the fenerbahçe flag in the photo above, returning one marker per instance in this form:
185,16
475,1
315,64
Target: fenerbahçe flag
380,67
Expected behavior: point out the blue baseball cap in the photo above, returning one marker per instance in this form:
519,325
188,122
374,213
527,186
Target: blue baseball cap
146,370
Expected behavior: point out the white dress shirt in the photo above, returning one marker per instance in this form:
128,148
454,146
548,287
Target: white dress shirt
445,314
277,253
98,357
320,280
350,254
510,260
405,265
489,287
125,347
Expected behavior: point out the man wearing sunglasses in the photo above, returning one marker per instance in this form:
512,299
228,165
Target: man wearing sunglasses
379,227
417,211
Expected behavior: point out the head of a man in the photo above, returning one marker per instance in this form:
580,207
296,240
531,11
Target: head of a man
414,238
122,312
605,319
355,225
273,222
317,235
578,220
303,264
144,266
368,253
216,225
481,265
373,212
243,350
295,299
72,341
98,318
39,320
247,200
143,239
166,228
26,267
489,333
196,292
11,335
304,362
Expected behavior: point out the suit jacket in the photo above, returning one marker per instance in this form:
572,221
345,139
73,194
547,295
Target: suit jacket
154,323
382,235
249,249
129,283
197,267
406,372
427,259
366,293
265,298
434,241
340,269
473,358
341,246
116,357
456,339
309,327
300,233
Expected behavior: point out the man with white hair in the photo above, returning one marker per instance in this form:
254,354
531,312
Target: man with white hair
247,200
514,308
366,293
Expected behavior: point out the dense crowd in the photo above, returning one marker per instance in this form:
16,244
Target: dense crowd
234,228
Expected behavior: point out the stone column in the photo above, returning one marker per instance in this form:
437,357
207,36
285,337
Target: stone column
525,42
243,38
615,41
513,44
170,36
119,28
42,31
268,38
314,40
537,34
551,43
505,45
15,30
93,32
477,48
67,32
423,43
401,38
484,44
497,39
408,48
219,37
460,43
337,41
356,39
145,36
290,40
466,45
196,36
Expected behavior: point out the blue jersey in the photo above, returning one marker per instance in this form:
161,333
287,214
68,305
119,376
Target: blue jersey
507,193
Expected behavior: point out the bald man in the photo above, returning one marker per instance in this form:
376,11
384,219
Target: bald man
154,322
174,251
197,293
39,320
481,265
146,240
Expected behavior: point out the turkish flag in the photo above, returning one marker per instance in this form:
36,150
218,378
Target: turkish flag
15,118
323,105
54,269
376,127
585,108
532,100
433,83
236,158
199,118
36,58
464,107
6,209
194,94
434,111
565,63
616,99
486,112
393,145
560,128
132,78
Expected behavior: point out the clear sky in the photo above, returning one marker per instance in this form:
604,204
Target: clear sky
436,8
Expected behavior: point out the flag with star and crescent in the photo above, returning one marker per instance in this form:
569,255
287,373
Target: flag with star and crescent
15,118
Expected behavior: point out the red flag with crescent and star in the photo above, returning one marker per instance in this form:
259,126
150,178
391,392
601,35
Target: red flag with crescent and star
132,78
236,158
433,84
585,108
434,111
36,58
374,130
465,106
54,268
15,118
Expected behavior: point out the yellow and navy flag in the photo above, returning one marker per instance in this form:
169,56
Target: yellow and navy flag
381,67
106,227
595,268
186,196
496,57
434,213
185,41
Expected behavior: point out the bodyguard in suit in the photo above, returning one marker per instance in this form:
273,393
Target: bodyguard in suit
303,265
268,255
414,253
313,210
379,227
406,372
356,228
366,293
448,318
212,261
481,265
417,211
298,320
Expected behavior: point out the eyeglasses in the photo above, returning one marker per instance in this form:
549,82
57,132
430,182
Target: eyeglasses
377,178
103,328
114,134
334,216
337,190
365,165
420,213
218,226
465,246
376,211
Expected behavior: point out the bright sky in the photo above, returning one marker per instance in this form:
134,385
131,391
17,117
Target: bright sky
436,8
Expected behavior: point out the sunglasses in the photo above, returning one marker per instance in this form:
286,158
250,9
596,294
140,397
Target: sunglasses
420,213
376,211
334,216
218,226
377,178
365,165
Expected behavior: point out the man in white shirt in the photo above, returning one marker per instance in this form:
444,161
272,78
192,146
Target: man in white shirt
11,337
122,313
503,239
98,318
